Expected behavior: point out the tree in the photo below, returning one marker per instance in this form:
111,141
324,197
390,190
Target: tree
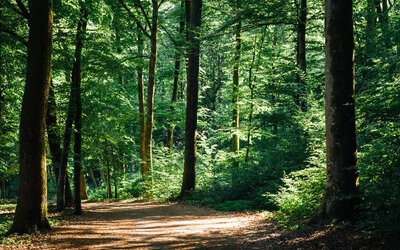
301,53
76,77
340,197
146,142
142,119
235,91
54,141
31,211
72,115
189,173
178,54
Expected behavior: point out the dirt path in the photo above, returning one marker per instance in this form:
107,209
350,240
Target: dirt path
146,225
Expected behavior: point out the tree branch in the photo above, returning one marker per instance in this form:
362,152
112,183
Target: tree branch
24,10
169,35
15,35
139,24
138,4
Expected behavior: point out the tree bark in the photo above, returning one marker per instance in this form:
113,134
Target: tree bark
235,91
251,87
148,171
109,192
31,211
301,54
78,111
115,175
178,55
54,141
140,47
189,173
83,192
340,197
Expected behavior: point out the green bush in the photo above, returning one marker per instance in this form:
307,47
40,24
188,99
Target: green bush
300,196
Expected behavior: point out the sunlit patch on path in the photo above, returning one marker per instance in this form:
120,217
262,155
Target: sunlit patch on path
151,225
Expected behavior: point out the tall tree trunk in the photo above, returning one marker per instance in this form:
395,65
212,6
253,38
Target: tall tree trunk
31,211
62,176
148,172
189,173
341,192
142,122
387,38
251,87
370,32
78,111
301,54
83,192
235,91
54,140
254,65
178,55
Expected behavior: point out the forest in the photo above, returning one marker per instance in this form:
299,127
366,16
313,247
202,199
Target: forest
208,112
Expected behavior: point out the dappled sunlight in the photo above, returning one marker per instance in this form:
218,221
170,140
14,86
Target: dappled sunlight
152,225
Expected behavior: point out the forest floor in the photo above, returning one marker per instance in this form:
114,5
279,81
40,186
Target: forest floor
150,225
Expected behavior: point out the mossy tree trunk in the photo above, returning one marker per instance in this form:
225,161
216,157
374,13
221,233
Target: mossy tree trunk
31,211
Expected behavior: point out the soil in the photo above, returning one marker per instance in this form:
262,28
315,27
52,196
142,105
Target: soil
150,225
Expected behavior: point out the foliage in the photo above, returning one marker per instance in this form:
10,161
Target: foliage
281,161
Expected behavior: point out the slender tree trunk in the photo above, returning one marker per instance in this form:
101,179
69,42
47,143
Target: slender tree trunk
123,167
31,211
83,192
108,170
178,55
115,175
75,84
55,143
62,176
235,92
189,173
148,172
143,165
102,177
387,38
109,192
340,197
78,112
251,87
301,54
95,186
370,41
